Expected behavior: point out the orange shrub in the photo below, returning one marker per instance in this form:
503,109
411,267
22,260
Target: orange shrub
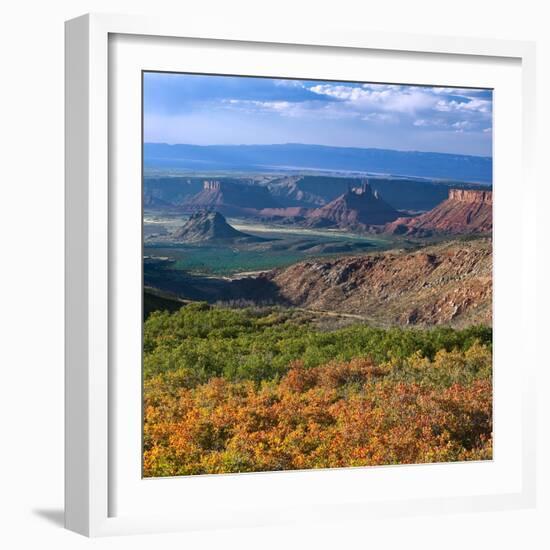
338,414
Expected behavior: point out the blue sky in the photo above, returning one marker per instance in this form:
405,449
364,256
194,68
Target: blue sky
229,110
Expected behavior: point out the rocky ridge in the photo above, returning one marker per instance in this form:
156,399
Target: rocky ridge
448,283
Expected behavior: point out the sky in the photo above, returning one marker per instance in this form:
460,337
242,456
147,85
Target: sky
233,110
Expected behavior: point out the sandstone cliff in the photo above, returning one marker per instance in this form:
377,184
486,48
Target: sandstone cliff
464,212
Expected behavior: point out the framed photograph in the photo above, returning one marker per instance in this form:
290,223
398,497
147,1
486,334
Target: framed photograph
297,275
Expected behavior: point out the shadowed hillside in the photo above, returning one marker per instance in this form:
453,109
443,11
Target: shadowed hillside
229,198
444,284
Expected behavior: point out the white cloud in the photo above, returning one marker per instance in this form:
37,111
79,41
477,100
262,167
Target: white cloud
407,101
287,83
277,106
460,92
462,126
380,87
379,117
473,105
397,99
442,109
432,122
315,108
349,93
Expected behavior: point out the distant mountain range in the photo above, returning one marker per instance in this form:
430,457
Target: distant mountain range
302,157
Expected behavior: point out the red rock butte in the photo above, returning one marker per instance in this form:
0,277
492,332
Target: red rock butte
464,211
358,207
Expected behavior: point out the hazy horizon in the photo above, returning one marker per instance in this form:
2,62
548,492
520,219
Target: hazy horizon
308,145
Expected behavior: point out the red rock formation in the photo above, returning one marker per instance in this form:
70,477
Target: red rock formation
356,209
206,226
229,198
465,211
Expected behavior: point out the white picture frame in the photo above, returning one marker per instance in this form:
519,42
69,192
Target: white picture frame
95,448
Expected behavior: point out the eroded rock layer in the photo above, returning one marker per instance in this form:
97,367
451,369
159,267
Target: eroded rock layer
464,212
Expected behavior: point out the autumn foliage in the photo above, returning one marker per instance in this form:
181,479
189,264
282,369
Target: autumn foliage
412,396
